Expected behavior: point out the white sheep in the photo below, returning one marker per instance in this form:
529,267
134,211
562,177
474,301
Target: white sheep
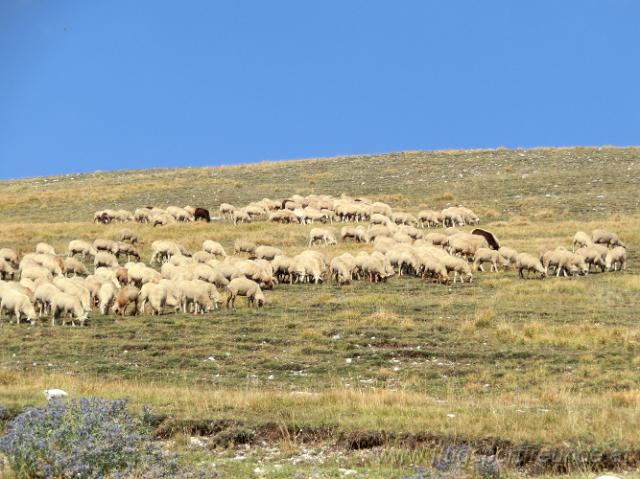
107,296
617,258
104,258
245,287
509,254
65,304
322,235
606,237
214,248
267,252
7,271
45,248
9,256
105,245
43,296
156,295
244,246
581,240
18,304
82,247
487,255
128,235
529,263
74,267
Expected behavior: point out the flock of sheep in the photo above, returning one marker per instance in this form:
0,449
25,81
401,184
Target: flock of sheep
43,283
296,209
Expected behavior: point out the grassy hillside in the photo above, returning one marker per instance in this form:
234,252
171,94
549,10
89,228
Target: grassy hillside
552,363
583,183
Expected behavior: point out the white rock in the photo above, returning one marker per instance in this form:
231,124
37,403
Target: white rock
54,394
197,442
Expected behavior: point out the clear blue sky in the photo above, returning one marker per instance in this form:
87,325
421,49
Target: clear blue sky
88,85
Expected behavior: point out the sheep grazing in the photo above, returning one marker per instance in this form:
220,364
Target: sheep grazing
283,268
245,287
104,258
617,258
163,250
509,254
379,219
430,218
374,268
244,246
348,232
35,273
44,248
126,249
341,269
487,255
227,210
452,216
530,264
241,216
462,247
322,235
198,296
596,256
105,245
128,235
65,304
581,240
379,231
607,238
267,252
459,266
180,214
564,262
82,247
307,268
261,272
73,267
201,214
154,294
214,248
432,267
7,271
107,296
19,305
68,285
284,217
53,264
10,256
404,219
124,298
43,297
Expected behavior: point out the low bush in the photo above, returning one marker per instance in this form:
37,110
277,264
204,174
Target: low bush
85,439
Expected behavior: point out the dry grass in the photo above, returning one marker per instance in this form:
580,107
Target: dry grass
521,417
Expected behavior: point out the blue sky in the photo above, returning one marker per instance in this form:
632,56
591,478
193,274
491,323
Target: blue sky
93,85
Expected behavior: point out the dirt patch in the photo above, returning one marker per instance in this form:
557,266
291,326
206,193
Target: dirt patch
194,427
530,458
363,440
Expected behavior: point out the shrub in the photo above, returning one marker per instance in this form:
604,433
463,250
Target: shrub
84,439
